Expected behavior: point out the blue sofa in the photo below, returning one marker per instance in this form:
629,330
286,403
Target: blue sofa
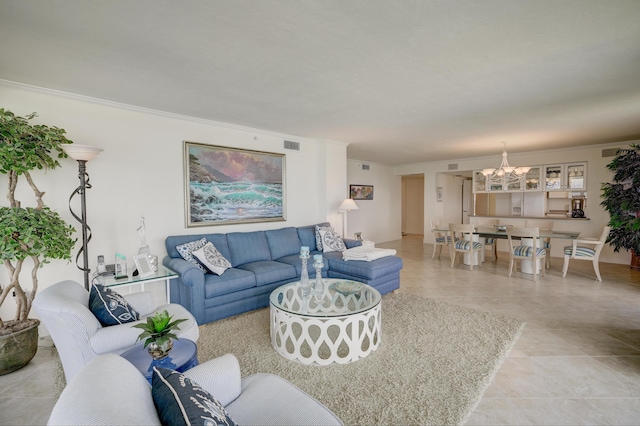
262,261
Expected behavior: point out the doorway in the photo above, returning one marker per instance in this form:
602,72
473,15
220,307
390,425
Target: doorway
413,206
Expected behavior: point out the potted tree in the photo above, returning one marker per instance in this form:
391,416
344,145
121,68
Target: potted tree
30,236
622,201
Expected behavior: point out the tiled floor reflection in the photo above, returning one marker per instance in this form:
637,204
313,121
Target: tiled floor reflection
577,361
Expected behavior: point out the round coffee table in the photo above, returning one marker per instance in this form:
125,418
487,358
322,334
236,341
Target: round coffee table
183,356
341,327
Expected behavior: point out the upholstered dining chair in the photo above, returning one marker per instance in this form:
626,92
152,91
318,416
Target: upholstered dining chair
79,336
578,251
490,241
524,252
461,241
442,238
546,242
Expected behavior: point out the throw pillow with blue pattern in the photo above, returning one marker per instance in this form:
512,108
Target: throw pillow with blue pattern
109,307
212,259
181,401
331,240
186,251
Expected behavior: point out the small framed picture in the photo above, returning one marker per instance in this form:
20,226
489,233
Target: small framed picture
439,194
358,236
144,266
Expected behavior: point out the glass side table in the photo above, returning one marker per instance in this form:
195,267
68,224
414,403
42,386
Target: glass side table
163,274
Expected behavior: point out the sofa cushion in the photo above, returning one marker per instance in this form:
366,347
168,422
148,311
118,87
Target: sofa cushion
212,259
269,271
246,247
232,280
283,242
186,251
294,260
180,401
331,240
307,235
362,269
109,307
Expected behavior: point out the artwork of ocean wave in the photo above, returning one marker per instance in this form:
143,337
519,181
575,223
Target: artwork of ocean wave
228,201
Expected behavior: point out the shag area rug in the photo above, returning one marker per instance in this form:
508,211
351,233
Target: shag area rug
432,367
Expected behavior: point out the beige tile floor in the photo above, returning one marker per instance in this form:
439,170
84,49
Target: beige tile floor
577,361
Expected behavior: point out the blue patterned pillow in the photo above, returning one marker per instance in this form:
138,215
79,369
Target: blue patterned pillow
109,307
180,401
331,240
319,237
186,251
212,259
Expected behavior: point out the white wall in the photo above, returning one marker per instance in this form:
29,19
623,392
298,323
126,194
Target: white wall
597,174
379,219
141,172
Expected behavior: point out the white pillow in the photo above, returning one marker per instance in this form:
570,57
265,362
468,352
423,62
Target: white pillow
212,259
187,249
331,240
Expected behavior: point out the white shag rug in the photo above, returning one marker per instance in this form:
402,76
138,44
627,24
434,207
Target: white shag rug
432,367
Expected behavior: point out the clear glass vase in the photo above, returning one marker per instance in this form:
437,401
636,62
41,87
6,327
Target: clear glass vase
305,285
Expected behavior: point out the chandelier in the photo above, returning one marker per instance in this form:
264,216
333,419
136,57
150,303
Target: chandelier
505,174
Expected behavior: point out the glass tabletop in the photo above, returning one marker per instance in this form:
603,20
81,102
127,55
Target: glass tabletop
162,274
340,297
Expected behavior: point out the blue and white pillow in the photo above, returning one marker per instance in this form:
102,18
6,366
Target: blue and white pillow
331,240
212,259
320,229
186,251
180,401
109,307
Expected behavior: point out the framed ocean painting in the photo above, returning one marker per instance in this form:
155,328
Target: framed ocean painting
229,185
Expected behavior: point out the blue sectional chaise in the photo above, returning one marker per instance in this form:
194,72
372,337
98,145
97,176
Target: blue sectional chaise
262,261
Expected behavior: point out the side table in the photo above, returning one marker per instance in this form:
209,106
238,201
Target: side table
183,356
163,274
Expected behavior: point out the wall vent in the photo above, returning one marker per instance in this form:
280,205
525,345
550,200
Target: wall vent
365,167
611,152
453,166
292,145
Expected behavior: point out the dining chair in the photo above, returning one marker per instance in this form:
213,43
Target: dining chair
490,241
461,241
524,252
546,242
580,252
442,238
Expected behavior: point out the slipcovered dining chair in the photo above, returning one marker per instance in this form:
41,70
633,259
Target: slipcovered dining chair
461,241
524,252
578,251
547,225
79,336
442,238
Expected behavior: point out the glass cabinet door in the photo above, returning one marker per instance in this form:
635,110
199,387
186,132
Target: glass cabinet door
532,179
479,182
553,177
577,176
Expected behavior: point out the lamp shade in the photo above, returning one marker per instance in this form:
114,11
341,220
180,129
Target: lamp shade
81,152
348,205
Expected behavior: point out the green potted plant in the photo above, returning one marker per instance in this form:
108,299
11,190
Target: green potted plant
158,332
622,201
27,234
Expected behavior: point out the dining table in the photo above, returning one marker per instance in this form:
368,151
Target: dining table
490,231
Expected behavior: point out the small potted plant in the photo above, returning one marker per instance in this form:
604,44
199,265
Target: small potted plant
158,332
622,201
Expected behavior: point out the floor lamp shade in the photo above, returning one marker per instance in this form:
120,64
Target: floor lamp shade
346,206
82,154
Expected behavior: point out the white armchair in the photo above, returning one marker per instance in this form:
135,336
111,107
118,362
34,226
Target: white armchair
586,249
79,337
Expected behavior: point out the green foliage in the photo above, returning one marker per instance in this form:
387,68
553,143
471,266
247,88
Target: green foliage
158,328
34,232
621,198
25,147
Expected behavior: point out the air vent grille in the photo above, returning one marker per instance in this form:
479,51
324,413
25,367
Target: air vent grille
292,145
453,166
365,167
611,152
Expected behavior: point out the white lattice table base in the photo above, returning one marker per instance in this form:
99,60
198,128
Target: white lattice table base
323,341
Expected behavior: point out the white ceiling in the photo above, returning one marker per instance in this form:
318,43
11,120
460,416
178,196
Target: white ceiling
401,81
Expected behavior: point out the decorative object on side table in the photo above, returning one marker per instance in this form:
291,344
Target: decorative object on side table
36,234
622,202
158,332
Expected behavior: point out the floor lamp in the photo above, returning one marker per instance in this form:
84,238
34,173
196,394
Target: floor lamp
346,206
82,154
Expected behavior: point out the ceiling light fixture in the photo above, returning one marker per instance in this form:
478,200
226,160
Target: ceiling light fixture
505,174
